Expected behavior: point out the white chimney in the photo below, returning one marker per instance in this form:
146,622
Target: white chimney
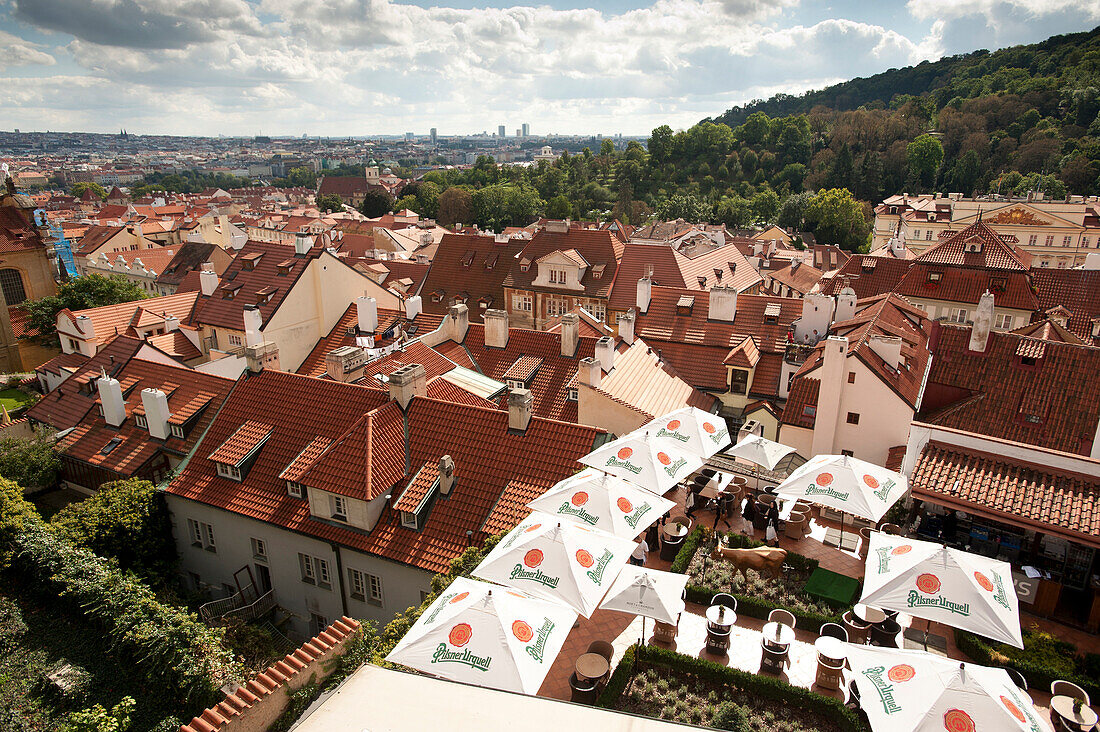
1092,261
345,363
888,349
723,304
253,321
110,395
302,244
519,409
833,366
208,282
590,372
156,412
570,334
605,352
817,314
845,305
366,309
413,307
645,294
86,326
407,382
171,323
983,323
460,322
626,326
139,232
446,475
496,328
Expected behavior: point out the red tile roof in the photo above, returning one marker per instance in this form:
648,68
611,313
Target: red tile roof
593,246
469,263
801,407
177,345
16,233
366,460
111,320
314,365
305,459
94,238
1074,289
1011,491
671,269
511,507
419,487
994,251
242,443
1054,402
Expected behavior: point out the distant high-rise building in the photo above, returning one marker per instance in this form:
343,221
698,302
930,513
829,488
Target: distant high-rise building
433,136
410,135
526,130
519,133
500,131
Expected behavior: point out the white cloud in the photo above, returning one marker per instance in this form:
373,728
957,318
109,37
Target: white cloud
992,10
15,51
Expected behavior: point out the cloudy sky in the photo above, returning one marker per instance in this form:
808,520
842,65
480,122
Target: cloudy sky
356,67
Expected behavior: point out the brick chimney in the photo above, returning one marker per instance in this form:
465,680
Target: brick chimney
366,309
723,304
208,282
460,322
446,475
156,412
570,334
645,294
605,352
407,382
983,323
626,327
519,409
496,328
590,372
110,395
831,374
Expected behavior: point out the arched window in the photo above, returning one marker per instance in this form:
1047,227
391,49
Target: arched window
12,282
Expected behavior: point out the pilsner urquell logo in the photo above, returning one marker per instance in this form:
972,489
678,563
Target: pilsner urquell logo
884,688
995,586
1020,709
446,599
633,519
532,560
459,636
575,507
716,435
668,466
621,459
537,650
596,573
879,492
926,595
670,430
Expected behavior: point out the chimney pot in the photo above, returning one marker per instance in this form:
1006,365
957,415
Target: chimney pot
407,382
253,322
155,403
496,328
413,307
110,395
590,372
460,322
626,327
983,323
605,352
723,304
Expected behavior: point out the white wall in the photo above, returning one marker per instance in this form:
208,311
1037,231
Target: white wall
884,417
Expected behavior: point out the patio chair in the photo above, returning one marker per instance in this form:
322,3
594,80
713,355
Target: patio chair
682,519
664,632
830,673
796,526
784,617
858,631
582,691
833,630
1068,688
892,529
853,695
772,660
885,634
718,641
708,473
724,598
603,648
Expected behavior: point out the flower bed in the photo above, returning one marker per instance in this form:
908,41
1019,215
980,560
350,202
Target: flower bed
759,594
679,688
1043,659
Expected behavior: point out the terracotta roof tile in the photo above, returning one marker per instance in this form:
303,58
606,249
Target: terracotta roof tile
242,443
511,507
346,331
418,488
453,269
302,462
593,247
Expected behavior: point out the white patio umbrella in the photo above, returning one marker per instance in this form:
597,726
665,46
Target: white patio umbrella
653,464
486,635
601,501
760,451
915,691
650,593
846,484
557,560
692,429
952,587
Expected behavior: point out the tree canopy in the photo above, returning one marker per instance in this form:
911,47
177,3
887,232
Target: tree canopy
88,291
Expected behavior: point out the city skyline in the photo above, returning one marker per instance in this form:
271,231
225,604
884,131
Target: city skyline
287,67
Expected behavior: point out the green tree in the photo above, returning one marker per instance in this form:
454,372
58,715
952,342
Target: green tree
731,717
735,212
559,207
837,218
16,513
127,520
966,173
89,291
680,206
455,207
660,144
924,155
869,183
98,719
327,203
765,206
756,128
607,148
792,214
31,462
79,188
841,172
376,203
302,178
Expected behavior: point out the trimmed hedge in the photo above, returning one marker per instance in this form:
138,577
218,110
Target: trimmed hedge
1039,675
754,607
764,687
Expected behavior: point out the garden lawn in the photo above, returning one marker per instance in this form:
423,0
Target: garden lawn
27,705
14,399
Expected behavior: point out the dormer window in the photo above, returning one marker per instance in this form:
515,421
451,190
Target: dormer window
931,215
140,421
935,276
557,276
177,431
571,395
1033,419
437,295
468,258
226,470
295,490
597,271
339,508
524,265
408,520
998,284
515,384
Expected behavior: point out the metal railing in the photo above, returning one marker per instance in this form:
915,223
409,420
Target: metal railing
238,605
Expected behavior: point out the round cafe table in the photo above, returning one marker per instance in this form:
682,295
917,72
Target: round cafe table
721,615
1063,707
778,633
868,614
592,666
675,530
831,648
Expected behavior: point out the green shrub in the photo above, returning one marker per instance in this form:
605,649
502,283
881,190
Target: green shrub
687,552
98,719
127,520
15,513
32,463
1043,659
611,693
732,717
12,626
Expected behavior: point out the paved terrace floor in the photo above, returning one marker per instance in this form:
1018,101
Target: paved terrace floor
744,653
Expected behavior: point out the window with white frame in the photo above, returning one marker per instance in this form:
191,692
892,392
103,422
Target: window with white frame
1003,322
140,421
521,302
374,585
959,316
323,577
928,235
571,396
558,276
235,340
357,584
916,233
515,384
195,532
296,490
259,548
408,520
226,470
177,430
208,538
598,310
555,306
305,563
339,508
1067,241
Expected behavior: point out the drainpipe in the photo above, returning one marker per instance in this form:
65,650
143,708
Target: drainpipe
340,574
